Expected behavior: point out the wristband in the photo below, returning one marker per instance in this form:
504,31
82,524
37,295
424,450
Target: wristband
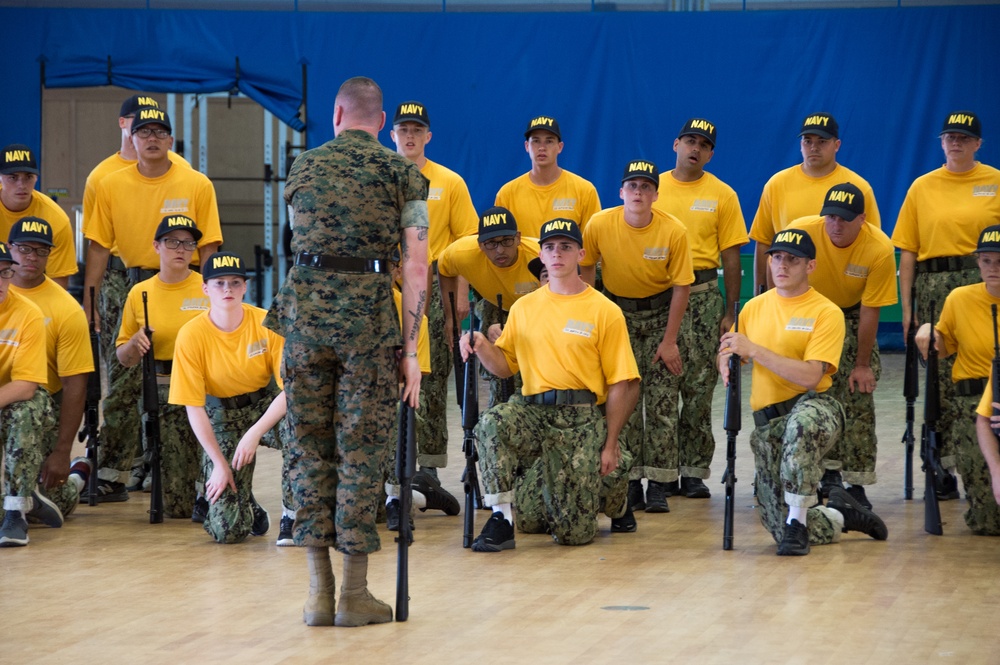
410,354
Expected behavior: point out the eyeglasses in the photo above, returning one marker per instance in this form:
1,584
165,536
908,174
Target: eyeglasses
507,241
957,138
25,249
146,132
7,273
174,243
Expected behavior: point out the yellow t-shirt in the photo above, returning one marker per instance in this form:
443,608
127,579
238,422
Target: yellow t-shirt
62,260
710,211
570,196
965,327
865,272
464,258
791,194
944,212
109,165
67,337
805,327
130,206
423,345
22,341
985,407
561,342
209,361
170,307
638,263
449,206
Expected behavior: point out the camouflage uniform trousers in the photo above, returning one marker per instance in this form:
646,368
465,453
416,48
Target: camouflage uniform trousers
700,340
856,450
500,389
28,432
341,409
935,287
119,431
650,434
788,454
432,426
230,518
983,515
567,441
180,457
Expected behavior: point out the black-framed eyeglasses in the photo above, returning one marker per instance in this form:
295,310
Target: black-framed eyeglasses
506,241
25,249
174,243
7,273
146,132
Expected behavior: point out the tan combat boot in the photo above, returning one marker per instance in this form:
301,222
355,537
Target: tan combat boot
320,605
357,606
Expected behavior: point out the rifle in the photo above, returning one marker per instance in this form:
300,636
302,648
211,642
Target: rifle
911,390
731,418
406,458
506,385
90,414
929,452
456,355
470,417
151,422
995,373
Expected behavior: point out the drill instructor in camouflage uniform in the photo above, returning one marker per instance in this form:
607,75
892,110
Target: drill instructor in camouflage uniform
646,267
571,345
711,213
797,420
26,415
964,329
352,201
856,271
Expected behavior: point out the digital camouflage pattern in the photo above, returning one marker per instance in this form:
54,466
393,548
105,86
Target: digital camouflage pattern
855,451
180,457
788,454
983,515
567,441
699,339
230,518
347,198
25,427
652,442
934,288
66,496
432,425
120,426
341,408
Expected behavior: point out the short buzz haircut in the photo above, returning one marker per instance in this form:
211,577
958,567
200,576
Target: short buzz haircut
361,98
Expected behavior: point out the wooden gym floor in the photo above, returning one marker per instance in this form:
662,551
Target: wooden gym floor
110,587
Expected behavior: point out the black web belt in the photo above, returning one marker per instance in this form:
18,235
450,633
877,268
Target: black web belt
562,398
659,301
115,263
777,410
706,276
341,263
236,401
970,387
947,264
163,367
856,307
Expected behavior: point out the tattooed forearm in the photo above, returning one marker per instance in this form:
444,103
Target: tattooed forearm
422,234
404,248
418,315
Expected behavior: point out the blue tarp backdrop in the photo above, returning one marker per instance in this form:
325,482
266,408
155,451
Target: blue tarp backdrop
621,84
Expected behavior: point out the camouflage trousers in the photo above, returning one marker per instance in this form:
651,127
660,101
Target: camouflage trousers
341,407
501,390
529,495
119,431
934,288
788,454
230,518
700,340
432,426
855,451
650,434
180,457
28,430
567,441
983,515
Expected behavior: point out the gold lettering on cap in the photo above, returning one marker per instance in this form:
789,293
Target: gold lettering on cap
35,227
841,196
180,220
789,237
703,124
960,119
147,101
17,156
645,167
557,225
542,121
225,262
411,109
816,120
494,219
155,114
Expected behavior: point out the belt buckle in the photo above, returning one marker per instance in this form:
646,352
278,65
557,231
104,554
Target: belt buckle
376,265
314,261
